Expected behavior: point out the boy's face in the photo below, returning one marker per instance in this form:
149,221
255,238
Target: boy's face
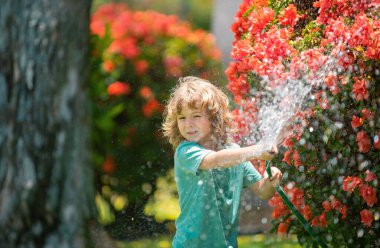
194,125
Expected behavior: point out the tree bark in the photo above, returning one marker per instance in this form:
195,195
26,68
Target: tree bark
46,189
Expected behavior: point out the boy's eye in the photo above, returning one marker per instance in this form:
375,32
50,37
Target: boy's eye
197,116
181,118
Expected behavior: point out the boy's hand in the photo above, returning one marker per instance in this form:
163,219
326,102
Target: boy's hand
276,178
268,154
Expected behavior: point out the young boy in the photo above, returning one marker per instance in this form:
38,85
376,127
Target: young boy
210,171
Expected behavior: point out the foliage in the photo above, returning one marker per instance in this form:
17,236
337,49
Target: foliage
331,161
137,57
163,205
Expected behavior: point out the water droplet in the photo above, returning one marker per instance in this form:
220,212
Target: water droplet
290,185
264,220
328,237
376,216
360,233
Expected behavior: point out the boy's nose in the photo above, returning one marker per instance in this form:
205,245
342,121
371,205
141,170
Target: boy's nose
189,123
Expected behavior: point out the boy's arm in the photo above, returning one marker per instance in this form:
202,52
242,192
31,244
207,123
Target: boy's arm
233,156
265,188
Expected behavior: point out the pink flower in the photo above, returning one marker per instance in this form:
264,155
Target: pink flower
146,92
370,176
367,114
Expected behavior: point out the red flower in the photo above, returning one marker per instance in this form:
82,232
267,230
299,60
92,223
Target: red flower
108,165
326,205
118,88
307,212
356,121
146,92
151,107
364,142
314,222
376,141
369,194
367,114
288,142
336,204
288,16
260,3
286,158
322,220
370,176
296,159
280,208
282,228
297,197
127,47
108,66
322,100
350,183
343,212
360,31
259,19
173,65
141,66
331,83
360,89
366,217
373,49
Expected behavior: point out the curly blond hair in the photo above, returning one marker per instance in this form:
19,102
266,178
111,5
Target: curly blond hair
195,92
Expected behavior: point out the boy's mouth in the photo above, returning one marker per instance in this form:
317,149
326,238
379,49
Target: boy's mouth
191,133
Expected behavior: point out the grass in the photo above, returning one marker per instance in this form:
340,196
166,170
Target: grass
245,241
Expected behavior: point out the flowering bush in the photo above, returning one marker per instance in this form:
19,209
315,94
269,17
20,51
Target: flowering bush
331,160
136,58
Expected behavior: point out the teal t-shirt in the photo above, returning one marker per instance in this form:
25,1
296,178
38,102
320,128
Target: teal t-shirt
209,199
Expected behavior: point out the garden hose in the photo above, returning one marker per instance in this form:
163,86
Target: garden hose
295,211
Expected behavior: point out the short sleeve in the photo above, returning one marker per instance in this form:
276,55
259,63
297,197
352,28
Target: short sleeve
251,175
189,156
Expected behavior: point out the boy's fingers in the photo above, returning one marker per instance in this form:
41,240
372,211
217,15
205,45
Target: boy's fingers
274,150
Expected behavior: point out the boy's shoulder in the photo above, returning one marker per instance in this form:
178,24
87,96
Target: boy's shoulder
185,145
188,144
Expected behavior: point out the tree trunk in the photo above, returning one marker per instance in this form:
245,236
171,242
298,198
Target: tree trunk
46,189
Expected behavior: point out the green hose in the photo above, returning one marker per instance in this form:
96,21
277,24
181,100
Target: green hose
295,211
